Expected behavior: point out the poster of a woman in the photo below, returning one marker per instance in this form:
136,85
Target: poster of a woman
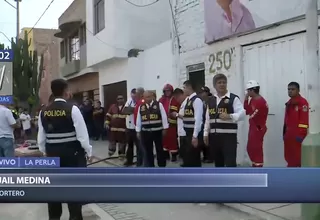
224,18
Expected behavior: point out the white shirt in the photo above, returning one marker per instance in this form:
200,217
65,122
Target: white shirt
198,112
130,118
164,117
6,121
238,115
181,131
79,125
25,120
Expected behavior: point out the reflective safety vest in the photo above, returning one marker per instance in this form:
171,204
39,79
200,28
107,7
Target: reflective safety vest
115,119
58,125
15,113
151,119
188,117
225,106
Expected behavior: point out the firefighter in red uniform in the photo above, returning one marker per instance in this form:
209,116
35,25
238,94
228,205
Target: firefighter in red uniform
116,123
296,123
257,109
171,106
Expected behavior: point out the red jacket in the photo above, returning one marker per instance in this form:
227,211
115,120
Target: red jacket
115,119
258,111
296,119
170,105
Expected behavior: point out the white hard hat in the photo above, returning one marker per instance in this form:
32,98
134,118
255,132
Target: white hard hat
252,84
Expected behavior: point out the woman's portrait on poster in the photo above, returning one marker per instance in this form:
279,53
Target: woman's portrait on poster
224,18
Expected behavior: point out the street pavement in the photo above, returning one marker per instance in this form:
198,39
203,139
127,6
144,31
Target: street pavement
36,211
130,211
268,211
134,211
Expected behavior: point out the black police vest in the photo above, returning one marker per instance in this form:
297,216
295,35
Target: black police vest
225,106
188,117
151,119
205,106
58,125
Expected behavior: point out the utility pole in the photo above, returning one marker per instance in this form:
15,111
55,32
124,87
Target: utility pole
18,18
17,7
311,144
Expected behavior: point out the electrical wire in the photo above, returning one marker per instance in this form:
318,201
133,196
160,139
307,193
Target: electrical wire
41,16
141,6
94,35
104,41
175,25
10,4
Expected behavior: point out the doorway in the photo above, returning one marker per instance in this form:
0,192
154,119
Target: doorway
197,78
111,91
266,62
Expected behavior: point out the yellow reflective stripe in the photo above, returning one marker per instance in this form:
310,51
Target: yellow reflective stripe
107,122
118,116
118,129
172,121
174,108
302,126
108,114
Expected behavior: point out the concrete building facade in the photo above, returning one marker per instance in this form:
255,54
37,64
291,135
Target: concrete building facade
84,82
274,55
119,35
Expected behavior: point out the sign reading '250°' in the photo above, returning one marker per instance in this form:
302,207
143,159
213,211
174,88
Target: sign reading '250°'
221,60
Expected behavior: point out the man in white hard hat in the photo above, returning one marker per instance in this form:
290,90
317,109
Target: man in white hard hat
257,109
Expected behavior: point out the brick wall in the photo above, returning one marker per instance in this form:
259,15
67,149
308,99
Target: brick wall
43,40
189,15
190,24
189,18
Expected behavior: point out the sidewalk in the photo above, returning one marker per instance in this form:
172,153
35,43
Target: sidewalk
270,211
267,211
37,211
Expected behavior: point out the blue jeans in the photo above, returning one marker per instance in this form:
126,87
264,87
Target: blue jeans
6,147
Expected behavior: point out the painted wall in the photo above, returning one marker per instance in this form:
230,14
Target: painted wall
142,27
112,71
126,27
194,51
100,46
152,69
157,68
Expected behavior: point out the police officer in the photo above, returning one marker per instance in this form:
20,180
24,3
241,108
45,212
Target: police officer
63,133
192,123
205,95
223,113
151,127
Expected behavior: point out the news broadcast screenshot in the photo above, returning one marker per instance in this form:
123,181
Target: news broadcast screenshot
166,121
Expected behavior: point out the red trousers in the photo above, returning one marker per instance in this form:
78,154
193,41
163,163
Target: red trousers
170,141
292,151
255,145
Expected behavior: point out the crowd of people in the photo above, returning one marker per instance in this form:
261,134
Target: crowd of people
192,124
94,115
200,127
